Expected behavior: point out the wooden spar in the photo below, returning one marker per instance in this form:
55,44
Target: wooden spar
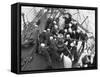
80,25
37,16
84,20
23,16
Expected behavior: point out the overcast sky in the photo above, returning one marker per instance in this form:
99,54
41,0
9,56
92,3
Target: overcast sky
30,14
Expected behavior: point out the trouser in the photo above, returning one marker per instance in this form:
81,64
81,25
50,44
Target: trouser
54,54
67,62
46,54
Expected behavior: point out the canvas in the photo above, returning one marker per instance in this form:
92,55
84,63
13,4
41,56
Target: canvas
49,38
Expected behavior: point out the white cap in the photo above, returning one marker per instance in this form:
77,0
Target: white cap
36,25
48,29
85,65
70,30
51,17
60,35
70,24
65,30
54,22
51,37
67,35
66,43
56,26
42,45
72,44
44,30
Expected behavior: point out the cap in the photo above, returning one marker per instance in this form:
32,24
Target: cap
70,24
36,25
65,30
72,44
60,35
66,43
70,30
68,36
48,29
51,37
54,22
42,45
56,26
44,30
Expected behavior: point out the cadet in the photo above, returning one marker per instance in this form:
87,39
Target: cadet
44,48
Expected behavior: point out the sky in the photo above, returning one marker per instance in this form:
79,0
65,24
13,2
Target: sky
30,13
